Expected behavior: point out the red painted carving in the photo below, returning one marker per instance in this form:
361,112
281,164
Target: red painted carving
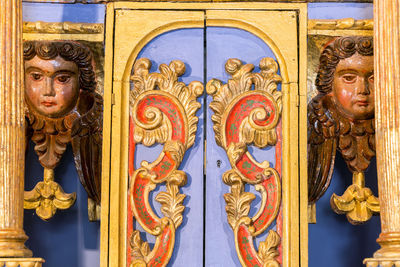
162,111
244,116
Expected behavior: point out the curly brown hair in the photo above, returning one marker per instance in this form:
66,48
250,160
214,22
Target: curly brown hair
340,48
69,51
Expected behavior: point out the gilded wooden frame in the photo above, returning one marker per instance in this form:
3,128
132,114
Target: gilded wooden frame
116,100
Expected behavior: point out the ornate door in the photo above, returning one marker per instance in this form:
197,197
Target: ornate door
204,154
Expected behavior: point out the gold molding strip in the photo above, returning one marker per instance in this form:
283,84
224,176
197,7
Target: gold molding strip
62,27
40,30
347,26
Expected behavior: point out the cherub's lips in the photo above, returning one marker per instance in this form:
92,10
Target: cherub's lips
362,102
48,103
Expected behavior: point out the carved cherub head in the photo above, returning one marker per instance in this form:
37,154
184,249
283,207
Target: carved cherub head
63,108
341,117
346,72
55,75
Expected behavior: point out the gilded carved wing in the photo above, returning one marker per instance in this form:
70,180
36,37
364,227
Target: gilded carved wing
322,143
86,135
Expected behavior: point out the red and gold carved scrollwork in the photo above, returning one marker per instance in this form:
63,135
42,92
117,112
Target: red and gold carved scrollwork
163,110
245,116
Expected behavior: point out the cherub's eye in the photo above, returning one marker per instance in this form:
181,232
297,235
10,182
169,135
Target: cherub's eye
349,78
36,76
63,78
371,78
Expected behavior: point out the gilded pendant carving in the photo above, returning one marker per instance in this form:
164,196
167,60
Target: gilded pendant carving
341,117
47,197
162,110
245,116
358,202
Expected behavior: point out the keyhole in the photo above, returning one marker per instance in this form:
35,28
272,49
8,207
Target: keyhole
219,162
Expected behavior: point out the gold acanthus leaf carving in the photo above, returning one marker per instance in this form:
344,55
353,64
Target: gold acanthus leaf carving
268,249
242,81
237,201
140,249
159,129
172,201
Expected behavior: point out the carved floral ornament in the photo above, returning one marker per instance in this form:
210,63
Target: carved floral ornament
242,117
162,110
341,117
62,107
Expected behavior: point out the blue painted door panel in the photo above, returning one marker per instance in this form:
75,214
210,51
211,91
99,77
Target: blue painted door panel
186,45
222,44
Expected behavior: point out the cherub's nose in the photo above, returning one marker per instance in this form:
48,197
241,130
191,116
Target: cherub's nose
363,87
48,89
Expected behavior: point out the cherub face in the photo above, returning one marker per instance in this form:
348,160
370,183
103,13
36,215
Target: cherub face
51,86
353,86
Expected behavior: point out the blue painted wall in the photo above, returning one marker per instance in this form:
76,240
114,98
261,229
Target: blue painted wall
333,241
63,12
68,239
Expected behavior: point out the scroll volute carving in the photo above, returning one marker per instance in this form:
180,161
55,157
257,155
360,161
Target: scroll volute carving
62,107
341,117
245,116
162,110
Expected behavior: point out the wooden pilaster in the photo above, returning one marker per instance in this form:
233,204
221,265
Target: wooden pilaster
12,139
387,117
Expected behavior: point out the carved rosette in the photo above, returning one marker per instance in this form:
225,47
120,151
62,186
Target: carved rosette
162,110
245,116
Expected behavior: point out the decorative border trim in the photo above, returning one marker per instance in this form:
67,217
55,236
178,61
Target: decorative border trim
40,30
347,26
62,27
